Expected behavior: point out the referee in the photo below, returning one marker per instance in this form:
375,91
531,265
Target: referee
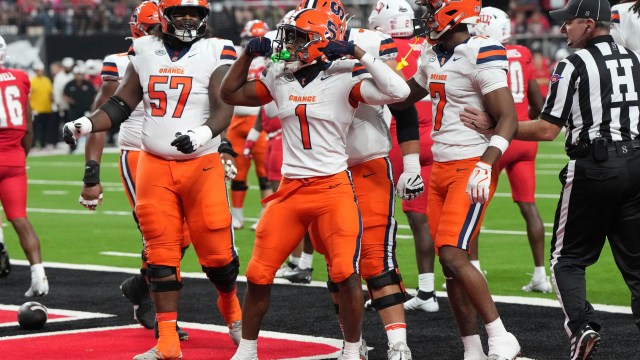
595,94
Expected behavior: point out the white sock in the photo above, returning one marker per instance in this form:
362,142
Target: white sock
37,271
238,213
472,344
539,272
425,282
495,328
1,235
351,350
248,349
396,332
295,260
306,260
476,264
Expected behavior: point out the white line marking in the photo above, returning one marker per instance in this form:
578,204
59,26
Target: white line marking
121,254
71,315
54,192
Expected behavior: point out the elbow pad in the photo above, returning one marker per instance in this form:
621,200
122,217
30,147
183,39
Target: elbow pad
406,123
117,110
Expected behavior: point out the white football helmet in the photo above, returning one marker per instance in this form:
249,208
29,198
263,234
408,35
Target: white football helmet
392,17
494,23
3,50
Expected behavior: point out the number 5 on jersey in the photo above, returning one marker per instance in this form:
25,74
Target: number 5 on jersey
159,107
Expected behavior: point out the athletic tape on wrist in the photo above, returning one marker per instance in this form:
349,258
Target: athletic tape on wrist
499,142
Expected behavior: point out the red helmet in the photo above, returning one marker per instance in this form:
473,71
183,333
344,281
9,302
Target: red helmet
305,35
188,30
334,8
443,15
144,17
254,28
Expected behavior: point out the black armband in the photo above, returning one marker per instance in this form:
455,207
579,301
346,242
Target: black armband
117,110
406,123
225,147
91,173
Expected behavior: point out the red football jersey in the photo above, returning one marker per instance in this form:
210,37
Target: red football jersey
521,71
14,94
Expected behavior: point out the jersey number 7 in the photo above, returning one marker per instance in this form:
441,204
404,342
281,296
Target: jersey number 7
436,88
160,96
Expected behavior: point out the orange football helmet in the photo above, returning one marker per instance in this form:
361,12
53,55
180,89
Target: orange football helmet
334,8
443,15
144,17
184,30
304,37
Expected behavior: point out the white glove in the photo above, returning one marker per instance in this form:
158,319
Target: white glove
410,184
193,139
479,183
73,130
230,170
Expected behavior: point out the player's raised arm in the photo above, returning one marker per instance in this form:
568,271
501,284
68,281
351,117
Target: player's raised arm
236,89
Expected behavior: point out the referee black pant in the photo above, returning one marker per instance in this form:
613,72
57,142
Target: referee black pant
599,200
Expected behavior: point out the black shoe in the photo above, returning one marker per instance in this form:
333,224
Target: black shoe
299,276
182,335
5,265
135,289
584,343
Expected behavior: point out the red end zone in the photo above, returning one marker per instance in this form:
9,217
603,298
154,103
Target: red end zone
205,342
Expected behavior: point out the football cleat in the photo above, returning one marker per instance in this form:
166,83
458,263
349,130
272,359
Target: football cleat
399,351
235,331
155,354
135,289
584,343
424,301
503,347
299,276
5,265
286,267
39,287
364,351
542,285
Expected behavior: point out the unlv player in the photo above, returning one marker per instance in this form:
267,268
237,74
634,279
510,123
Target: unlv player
458,71
180,175
520,159
316,102
394,18
16,138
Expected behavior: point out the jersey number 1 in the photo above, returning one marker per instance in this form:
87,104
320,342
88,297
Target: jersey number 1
13,113
160,109
301,113
436,88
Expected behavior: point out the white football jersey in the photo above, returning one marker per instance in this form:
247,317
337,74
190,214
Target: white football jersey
315,118
175,89
130,137
369,136
625,26
455,79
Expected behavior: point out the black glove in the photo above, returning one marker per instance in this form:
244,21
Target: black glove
258,46
184,143
336,49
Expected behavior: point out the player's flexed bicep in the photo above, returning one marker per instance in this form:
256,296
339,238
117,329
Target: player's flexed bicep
235,88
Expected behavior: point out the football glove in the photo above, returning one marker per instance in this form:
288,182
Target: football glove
250,142
91,196
192,140
73,130
410,184
479,183
336,49
229,165
258,46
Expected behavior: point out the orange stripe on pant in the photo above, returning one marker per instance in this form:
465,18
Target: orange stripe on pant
373,183
324,205
170,192
237,134
453,220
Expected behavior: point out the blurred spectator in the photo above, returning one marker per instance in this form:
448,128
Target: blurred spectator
45,129
542,72
54,68
79,93
61,79
538,24
519,22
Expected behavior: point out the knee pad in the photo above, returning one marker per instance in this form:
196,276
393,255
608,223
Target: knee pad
156,272
264,183
391,277
239,186
333,288
224,278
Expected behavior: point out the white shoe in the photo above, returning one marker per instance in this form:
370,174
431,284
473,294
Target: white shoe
235,332
154,354
542,285
39,287
364,352
475,356
286,267
505,347
237,224
399,351
425,301
237,218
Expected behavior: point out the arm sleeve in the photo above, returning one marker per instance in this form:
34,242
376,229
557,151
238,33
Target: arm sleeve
490,79
386,87
263,92
271,110
557,107
421,76
407,127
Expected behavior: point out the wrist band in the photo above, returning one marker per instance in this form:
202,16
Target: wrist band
91,173
225,147
498,141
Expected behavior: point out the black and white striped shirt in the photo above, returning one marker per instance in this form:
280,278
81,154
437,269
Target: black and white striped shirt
596,93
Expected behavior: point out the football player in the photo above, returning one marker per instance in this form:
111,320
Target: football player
180,175
395,18
16,138
144,21
241,130
625,24
316,103
460,70
519,159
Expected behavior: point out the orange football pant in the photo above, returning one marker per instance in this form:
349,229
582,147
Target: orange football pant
237,134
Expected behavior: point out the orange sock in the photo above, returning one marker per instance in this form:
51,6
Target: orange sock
237,198
229,306
168,341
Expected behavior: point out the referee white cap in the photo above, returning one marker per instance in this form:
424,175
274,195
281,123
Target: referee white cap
599,10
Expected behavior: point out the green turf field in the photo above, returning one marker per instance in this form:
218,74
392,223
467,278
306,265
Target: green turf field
71,234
